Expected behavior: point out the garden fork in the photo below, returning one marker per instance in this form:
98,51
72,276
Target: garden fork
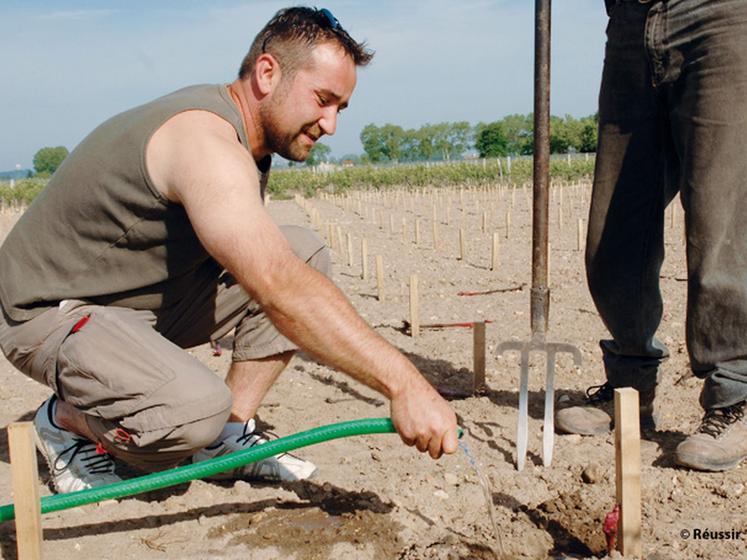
540,293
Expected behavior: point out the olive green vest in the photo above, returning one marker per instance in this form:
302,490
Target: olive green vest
100,231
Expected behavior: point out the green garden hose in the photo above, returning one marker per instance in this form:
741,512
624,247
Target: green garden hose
210,467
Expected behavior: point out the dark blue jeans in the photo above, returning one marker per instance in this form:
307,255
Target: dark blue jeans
673,118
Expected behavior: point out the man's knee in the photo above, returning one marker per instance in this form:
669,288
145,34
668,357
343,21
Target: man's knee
189,417
309,247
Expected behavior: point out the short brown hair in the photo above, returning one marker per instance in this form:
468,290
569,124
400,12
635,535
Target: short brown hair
291,34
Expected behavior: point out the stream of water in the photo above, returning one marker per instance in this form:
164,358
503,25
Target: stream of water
498,548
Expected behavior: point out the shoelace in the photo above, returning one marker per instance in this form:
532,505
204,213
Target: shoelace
96,463
250,439
717,420
600,393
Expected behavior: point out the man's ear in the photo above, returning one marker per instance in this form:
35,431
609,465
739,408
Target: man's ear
266,73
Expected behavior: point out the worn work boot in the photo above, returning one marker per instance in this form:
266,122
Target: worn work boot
595,415
719,443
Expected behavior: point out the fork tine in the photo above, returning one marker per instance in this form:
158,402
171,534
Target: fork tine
522,432
548,430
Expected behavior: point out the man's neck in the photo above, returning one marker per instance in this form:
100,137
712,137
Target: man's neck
251,129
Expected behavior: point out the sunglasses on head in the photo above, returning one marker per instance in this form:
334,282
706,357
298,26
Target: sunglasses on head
334,23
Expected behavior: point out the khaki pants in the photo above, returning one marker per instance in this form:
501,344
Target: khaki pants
144,396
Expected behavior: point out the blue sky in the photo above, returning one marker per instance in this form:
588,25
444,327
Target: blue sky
69,65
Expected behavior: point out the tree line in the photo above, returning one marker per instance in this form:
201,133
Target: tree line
447,141
512,135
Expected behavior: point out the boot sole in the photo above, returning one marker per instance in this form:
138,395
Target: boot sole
697,463
600,432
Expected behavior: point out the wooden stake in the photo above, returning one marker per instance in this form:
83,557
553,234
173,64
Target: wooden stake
380,277
508,225
628,471
495,253
484,226
478,354
435,236
350,249
331,236
364,259
580,235
462,248
417,232
414,310
340,240
26,504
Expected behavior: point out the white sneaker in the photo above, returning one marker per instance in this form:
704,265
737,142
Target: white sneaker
74,462
278,468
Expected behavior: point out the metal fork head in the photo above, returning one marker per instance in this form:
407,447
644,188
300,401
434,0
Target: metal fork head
551,349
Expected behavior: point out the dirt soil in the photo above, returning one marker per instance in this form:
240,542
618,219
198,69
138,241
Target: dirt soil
375,498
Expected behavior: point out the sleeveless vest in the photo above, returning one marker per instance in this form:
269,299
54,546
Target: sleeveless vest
100,231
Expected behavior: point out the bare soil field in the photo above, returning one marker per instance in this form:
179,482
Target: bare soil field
373,497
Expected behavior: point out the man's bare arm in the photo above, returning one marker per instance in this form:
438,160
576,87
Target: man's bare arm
211,174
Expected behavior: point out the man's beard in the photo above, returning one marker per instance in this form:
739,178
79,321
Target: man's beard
285,144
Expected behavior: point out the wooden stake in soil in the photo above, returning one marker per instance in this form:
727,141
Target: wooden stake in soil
508,225
628,471
414,310
26,504
331,236
364,259
495,253
417,232
478,354
380,277
580,235
435,236
462,248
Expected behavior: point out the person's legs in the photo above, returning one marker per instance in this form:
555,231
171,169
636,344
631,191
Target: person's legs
709,125
146,400
625,247
250,380
119,384
260,354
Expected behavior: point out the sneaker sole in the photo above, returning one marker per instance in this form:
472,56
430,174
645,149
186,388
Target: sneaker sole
43,451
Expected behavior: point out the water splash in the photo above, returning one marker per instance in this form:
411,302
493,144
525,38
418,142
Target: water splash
498,548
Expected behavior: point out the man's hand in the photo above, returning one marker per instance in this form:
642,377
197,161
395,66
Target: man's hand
424,419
